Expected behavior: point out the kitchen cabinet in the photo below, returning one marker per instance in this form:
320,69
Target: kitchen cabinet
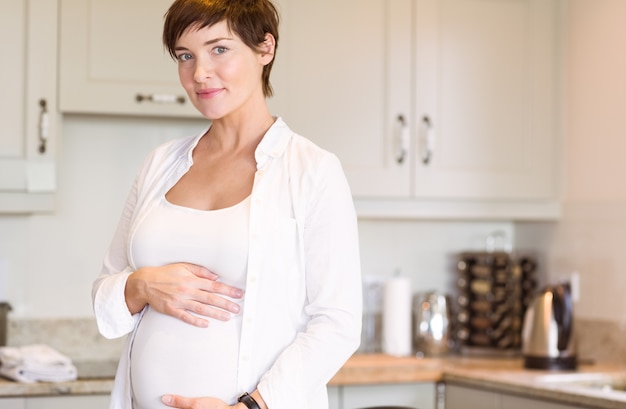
334,396
28,110
436,108
68,402
57,402
112,60
516,402
12,403
461,397
418,395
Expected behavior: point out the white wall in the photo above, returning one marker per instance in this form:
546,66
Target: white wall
591,237
49,261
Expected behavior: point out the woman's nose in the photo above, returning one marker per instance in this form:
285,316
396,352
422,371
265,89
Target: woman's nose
203,70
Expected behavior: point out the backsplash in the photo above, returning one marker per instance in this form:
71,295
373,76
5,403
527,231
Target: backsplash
601,342
77,338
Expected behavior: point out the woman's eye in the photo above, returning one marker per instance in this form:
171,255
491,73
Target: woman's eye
220,50
184,57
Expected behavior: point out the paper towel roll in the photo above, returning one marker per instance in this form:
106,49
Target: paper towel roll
397,316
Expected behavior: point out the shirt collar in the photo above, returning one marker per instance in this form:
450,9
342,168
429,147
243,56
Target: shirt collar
272,145
274,142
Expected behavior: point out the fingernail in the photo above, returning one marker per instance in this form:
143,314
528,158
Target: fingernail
238,293
235,308
167,399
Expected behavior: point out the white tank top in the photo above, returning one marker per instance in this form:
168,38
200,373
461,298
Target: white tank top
169,356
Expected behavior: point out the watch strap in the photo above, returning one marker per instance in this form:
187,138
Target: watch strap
249,401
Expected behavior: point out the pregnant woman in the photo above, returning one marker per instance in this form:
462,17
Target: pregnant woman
234,270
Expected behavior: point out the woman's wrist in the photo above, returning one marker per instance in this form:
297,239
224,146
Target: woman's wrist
133,292
248,401
251,401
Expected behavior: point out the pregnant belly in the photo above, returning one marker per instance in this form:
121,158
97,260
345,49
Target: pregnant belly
169,356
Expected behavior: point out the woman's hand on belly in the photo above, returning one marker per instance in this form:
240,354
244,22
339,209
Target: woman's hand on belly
179,290
181,402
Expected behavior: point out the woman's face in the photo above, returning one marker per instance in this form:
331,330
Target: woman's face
220,73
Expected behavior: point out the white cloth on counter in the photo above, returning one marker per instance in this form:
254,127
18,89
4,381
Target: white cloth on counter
33,363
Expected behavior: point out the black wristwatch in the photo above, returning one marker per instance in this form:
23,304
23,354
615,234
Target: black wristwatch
249,401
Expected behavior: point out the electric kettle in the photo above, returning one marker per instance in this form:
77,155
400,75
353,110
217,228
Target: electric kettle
548,330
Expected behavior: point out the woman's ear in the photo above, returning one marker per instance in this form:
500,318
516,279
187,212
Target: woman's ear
266,49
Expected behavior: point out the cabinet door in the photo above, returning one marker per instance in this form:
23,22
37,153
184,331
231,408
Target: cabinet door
485,99
342,79
13,78
334,397
12,403
415,395
516,402
112,60
460,397
69,402
27,104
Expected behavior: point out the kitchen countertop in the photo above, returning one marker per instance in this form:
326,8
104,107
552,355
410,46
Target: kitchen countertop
94,378
505,375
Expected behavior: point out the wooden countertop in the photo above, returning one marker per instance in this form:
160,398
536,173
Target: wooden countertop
381,368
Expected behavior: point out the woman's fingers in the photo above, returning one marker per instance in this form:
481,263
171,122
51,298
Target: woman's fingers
189,292
224,289
180,402
176,401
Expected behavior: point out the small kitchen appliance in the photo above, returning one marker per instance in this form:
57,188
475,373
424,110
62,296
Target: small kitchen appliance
548,330
431,324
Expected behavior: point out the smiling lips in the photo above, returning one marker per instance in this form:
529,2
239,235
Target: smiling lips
208,93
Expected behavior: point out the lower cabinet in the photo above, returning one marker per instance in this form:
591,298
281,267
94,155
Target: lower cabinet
414,395
67,402
516,402
334,397
462,397
57,402
12,403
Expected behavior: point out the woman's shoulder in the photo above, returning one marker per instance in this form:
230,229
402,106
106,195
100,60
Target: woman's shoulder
309,153
296,143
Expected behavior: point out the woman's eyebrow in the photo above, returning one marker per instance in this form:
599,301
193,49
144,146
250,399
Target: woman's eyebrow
209,42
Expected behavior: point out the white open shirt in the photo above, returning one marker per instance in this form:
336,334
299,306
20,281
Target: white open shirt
303,300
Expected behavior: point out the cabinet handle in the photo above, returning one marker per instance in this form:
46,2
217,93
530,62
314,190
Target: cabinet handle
44,125
161,98
402,133
427,139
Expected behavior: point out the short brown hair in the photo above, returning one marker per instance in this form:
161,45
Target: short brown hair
250,20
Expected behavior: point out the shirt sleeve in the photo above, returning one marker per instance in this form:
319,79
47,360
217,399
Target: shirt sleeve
334,296
112,315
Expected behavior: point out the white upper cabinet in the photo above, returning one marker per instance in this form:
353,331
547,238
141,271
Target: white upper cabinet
112,60
436,108
343,79
28,111
485,76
